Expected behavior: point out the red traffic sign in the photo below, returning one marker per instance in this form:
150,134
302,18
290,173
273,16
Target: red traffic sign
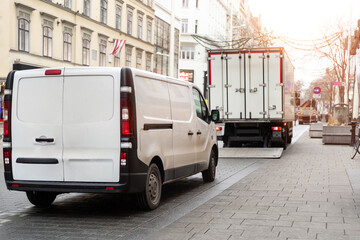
317,90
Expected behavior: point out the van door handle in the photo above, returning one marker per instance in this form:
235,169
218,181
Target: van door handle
190,133
198,133
44,140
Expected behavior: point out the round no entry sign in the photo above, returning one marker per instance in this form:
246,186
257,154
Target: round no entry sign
317,90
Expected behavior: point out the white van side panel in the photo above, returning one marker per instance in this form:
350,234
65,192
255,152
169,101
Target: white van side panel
183,121
91,127
153,107
37,112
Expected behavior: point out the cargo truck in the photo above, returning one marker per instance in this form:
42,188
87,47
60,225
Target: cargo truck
254,91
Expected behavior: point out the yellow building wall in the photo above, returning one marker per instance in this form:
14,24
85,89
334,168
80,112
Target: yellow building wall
9,53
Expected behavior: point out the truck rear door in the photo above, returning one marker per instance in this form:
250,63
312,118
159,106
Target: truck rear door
254,72
227,89
37,125
235,90
273,73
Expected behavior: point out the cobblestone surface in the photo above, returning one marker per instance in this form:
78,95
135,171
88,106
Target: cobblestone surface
307,194
96,216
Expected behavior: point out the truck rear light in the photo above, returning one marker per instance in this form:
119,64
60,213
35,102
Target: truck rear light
53,72
127,119
276,128
7,119
218,129
123,159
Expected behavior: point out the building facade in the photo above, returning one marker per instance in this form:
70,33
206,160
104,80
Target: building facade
55,33
166,38
209,24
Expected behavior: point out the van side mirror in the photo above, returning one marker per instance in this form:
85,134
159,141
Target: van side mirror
215,116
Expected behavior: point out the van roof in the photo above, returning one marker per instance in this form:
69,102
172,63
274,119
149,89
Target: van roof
137,72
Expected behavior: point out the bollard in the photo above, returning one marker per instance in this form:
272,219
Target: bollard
353,127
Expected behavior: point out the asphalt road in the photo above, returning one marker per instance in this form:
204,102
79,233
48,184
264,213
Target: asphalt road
98,216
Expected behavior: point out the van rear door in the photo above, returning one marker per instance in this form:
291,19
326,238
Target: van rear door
91,128
37,125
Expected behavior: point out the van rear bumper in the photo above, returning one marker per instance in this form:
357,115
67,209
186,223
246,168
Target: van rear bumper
136,184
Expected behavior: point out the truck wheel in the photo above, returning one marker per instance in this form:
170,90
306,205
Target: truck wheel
209,174
41,199
150,198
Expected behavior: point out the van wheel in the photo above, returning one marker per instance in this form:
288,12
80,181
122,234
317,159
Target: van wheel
41,199
209,174
150,198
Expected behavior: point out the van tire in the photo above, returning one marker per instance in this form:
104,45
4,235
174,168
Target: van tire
150,198
209,174
41,199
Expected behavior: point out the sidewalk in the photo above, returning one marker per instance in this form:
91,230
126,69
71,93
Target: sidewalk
312,192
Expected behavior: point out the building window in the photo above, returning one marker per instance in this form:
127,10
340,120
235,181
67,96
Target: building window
87,8
185,3
140,25
67,3
118,17
184,25
138,59
103,11
196,25
148,62
187,75
187,53
102,52
117,60
148,36
129,22
23,40
47,41
128,56
149,3
86,50
67,47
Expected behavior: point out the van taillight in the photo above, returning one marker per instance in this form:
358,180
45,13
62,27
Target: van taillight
7,156
7,119
127,121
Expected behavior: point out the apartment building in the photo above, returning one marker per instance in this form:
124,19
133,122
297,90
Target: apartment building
53,33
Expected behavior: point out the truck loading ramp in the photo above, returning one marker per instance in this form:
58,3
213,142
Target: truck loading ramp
250,152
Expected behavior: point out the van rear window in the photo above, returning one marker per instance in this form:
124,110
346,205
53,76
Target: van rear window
88,99
39,100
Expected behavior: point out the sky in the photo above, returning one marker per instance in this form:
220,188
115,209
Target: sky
304,20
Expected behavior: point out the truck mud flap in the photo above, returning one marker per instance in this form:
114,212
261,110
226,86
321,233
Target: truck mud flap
250,152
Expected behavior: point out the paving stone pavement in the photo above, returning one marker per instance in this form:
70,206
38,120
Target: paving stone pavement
307,197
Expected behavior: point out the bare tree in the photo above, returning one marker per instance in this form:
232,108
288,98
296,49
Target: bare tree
334,49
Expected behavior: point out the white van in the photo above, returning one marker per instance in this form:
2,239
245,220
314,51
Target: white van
104,130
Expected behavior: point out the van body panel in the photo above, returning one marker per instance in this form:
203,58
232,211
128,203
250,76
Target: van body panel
153,112
91,131
37,115
184,122
203,145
